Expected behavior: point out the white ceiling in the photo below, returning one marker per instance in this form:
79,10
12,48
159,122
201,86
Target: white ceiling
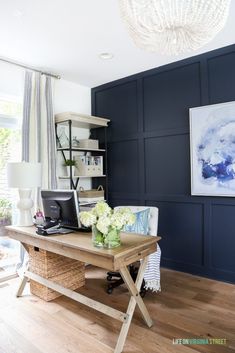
66,36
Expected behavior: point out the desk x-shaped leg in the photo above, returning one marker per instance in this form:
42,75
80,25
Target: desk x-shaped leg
126,318
134,289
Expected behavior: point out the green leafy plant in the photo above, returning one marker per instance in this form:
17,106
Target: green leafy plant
5,209
69,162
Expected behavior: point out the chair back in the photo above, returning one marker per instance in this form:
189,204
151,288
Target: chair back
153,217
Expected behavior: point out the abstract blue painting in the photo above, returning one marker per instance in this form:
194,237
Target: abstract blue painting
212,147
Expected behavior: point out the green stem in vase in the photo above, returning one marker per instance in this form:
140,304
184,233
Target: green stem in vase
112,239
97,237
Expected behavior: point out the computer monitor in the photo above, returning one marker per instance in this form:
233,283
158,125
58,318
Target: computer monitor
61,206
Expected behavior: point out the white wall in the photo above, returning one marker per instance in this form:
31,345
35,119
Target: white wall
69,96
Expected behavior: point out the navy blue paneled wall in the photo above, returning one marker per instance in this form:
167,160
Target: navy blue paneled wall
149,157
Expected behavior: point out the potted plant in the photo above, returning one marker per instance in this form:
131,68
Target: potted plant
5,215
70,163
107,224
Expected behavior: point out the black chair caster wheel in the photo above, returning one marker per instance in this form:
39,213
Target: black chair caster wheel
109,278
109,290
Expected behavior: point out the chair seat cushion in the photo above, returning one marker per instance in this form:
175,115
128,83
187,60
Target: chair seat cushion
141,223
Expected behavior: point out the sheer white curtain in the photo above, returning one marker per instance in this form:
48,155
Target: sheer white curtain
38,132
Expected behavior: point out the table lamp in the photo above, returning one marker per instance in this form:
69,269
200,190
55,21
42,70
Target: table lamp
24,176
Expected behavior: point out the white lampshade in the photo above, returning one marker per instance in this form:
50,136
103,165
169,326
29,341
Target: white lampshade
24,175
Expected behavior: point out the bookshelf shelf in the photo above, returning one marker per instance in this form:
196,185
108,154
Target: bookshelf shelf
81,120
83,203
83,176
78,149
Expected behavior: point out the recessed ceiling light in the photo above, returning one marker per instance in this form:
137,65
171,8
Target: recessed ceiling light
106,56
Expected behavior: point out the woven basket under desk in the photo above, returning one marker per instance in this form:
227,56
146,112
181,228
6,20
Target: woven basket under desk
60,269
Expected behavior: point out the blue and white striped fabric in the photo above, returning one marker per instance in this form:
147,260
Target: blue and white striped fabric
152,272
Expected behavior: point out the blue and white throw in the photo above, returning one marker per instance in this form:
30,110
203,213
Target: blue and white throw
152,272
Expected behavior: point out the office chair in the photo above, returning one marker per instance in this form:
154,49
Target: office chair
115,277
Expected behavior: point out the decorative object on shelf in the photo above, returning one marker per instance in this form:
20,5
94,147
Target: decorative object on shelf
70,163
212,135
173,26
93,195
62,137
88,143
75,142
106,224
24,176
89,165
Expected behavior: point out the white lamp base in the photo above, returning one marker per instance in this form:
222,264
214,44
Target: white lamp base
25,205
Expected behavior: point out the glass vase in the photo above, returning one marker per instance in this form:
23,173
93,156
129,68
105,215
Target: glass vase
112,239
109,241
97,237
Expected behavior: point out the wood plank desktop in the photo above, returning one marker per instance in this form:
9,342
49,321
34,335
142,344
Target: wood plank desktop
78,245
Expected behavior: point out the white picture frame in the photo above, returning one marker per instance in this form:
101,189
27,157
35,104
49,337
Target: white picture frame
212,149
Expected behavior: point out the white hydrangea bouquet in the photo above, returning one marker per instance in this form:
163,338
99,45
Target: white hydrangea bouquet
107,223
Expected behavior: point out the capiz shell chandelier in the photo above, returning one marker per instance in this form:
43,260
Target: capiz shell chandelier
173,26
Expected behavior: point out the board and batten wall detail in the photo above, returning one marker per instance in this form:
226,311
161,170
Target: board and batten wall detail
149,157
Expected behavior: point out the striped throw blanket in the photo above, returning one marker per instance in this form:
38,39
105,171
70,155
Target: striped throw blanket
152,272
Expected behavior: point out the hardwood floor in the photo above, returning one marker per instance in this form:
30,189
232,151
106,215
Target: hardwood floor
187,307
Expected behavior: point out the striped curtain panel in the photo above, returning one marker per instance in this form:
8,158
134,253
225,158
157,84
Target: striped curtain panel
38,129
38,137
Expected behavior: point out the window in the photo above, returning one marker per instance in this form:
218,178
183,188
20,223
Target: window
10,151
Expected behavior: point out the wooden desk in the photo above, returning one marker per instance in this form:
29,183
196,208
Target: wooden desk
78,246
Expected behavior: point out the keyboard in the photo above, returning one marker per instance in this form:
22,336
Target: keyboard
53,230
65,231
60,230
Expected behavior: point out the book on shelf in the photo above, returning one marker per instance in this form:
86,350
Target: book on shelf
91,199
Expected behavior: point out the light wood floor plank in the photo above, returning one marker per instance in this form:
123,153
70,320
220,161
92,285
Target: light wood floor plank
11,341
188,307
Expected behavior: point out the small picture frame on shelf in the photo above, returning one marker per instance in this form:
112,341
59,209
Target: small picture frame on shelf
63,140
